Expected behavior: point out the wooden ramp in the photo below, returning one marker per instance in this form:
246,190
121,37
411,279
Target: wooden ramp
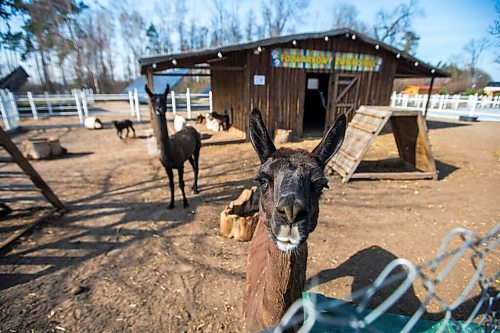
37,180
410,133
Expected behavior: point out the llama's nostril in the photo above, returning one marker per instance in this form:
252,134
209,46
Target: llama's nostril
301,215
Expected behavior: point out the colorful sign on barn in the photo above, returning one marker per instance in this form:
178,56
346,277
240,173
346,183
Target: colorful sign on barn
300,58
315,59
357,62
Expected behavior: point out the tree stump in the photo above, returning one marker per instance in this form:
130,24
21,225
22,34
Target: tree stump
282,136
239,219
42,148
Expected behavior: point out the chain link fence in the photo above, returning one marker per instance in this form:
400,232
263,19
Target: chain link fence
472,308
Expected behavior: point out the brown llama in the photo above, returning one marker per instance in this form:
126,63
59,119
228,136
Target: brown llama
183,146
290,182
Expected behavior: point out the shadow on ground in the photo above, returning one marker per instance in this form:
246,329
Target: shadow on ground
79,232
366,265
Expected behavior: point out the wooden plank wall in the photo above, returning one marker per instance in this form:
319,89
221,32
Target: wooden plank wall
281,100
227,88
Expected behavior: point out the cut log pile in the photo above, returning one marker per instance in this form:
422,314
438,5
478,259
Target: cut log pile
239,219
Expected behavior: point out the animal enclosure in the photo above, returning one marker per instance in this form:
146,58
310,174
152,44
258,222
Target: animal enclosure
118,260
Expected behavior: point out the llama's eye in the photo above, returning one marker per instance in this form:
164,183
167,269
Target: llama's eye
263,181
321,184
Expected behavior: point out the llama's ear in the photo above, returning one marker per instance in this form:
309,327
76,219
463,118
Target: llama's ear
261,140
167,90
332,141
150,94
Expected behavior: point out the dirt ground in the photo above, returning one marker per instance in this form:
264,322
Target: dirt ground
119,261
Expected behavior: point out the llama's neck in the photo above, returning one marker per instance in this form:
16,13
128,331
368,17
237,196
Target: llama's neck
163,139
275,280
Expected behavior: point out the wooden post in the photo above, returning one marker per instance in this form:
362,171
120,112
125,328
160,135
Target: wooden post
428,99
473,100
78,107
32,105
13,106
84,103
174,107
150,83
3,111
188,101
210,100
137,108
393,99
47,101
58,98
131,101
29,170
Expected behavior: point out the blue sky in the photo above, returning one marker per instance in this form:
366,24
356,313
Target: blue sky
445,26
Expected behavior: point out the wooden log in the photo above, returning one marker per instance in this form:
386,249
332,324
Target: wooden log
244,227
239,219
394,175
227,222
282,136
42,148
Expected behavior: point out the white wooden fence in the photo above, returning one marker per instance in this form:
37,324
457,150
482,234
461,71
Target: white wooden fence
83,102
8,110
450,106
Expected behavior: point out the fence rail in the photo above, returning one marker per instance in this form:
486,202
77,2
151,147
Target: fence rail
450,106
84,102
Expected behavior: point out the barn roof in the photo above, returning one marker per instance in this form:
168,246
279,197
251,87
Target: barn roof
405,68
14,80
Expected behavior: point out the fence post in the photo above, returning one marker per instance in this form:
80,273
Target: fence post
58,98
424,101
137,108
13,106
188,101
174,108
393,99
473,102
84,103
47,101
3,111
78,107
131,101
210,100
456,101
32,105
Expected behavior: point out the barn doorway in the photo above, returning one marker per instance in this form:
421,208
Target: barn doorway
315,103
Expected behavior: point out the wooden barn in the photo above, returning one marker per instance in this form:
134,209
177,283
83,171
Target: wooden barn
300,82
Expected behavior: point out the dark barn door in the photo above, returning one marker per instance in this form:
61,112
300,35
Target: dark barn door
315,103
344,96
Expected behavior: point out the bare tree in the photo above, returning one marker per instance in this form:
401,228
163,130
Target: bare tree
234,36
219,17
180,16
250,25
277,13
395,27
473,49
133,28
345,15
494,30
163,23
